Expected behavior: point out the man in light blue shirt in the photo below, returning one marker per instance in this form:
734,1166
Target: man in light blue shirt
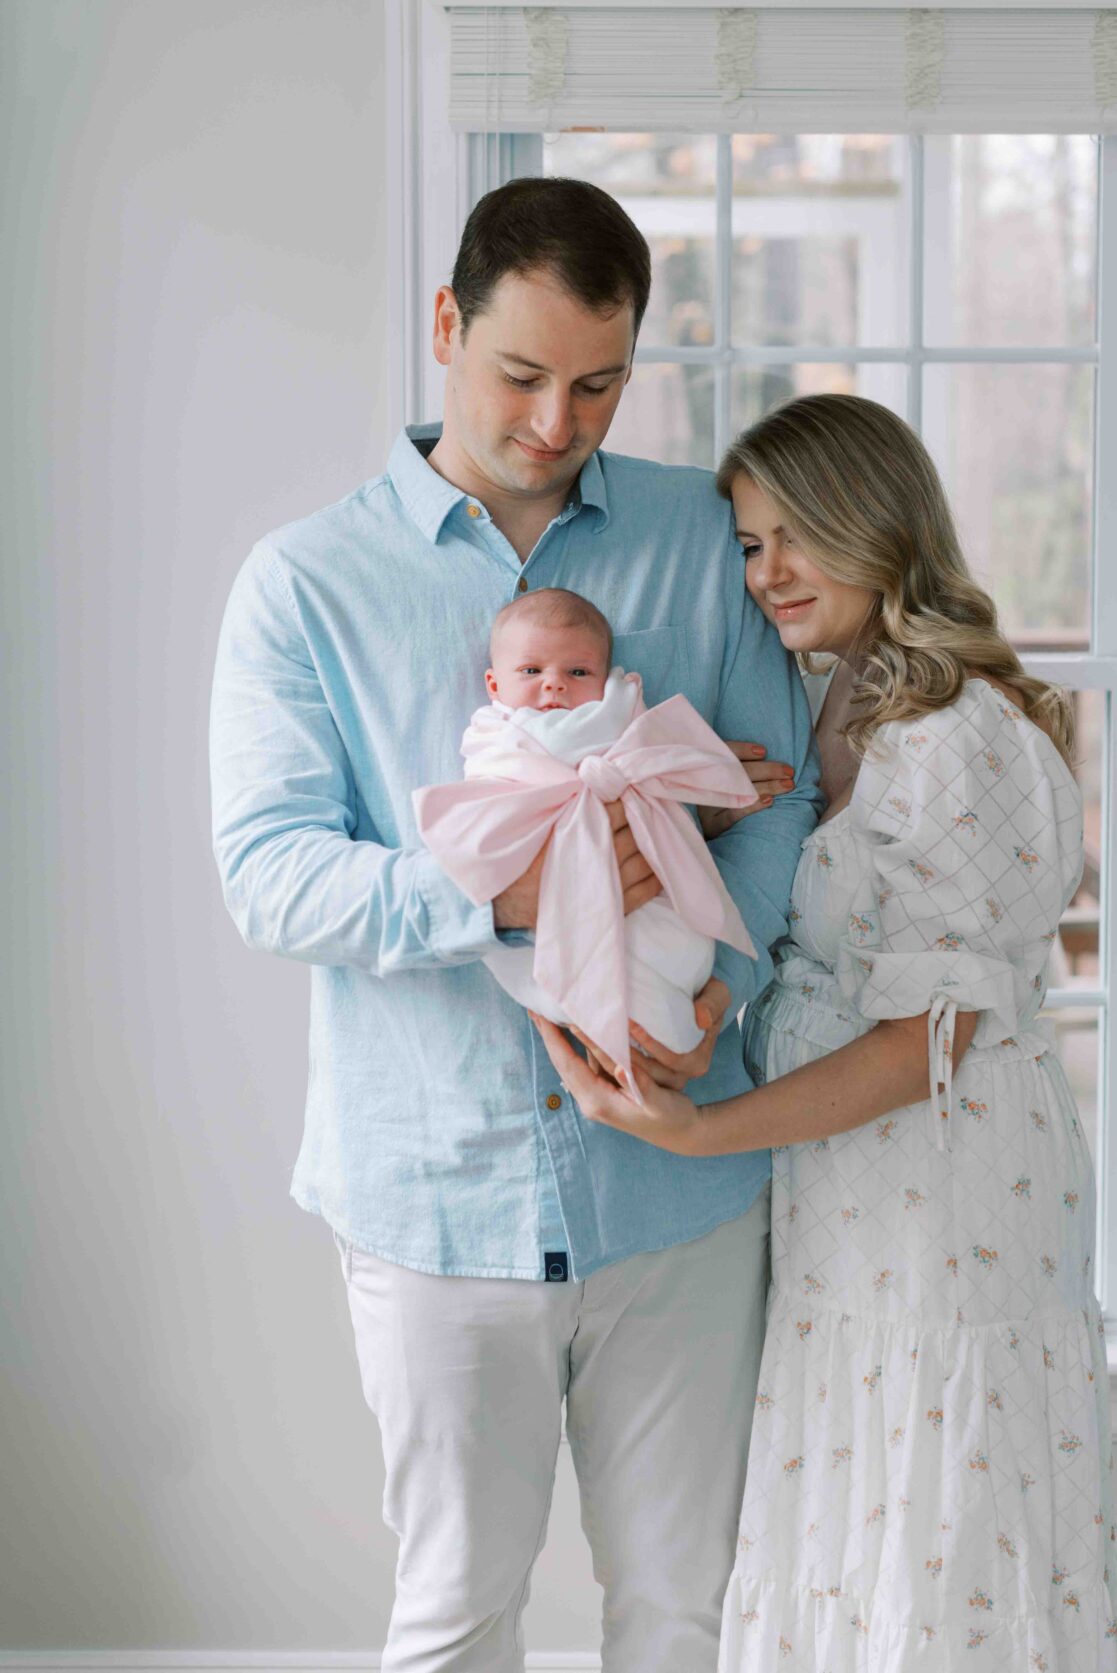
466,1192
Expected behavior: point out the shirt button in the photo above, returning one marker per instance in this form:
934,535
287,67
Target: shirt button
474,510
554,1102
522,583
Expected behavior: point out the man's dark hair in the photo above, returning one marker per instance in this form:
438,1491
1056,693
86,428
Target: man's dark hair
568,228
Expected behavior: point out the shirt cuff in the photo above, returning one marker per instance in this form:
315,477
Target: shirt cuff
457,931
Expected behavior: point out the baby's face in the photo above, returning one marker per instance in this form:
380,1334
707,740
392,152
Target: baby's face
536,667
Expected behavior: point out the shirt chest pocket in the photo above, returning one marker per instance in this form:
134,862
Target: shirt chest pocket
659,656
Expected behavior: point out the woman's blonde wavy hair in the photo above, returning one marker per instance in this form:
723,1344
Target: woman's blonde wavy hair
858,490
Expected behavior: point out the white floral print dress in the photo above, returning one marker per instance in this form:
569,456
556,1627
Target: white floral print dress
928,1481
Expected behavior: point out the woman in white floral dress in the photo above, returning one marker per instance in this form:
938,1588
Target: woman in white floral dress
928,1481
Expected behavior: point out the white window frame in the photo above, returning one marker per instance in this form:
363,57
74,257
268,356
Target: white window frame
436,174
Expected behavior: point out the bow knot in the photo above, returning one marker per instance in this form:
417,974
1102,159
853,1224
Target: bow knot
603,778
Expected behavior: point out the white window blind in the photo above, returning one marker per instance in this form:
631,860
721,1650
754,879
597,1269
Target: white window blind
764,70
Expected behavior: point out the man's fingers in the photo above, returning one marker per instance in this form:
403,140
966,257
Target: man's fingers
639,894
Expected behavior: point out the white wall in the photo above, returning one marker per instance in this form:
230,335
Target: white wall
194,253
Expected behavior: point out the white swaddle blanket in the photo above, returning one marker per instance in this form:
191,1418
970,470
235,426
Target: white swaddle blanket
667,961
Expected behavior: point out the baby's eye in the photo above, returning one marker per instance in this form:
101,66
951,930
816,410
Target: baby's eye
528,669
578,673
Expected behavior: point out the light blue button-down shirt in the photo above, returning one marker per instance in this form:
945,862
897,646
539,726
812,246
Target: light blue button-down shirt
350,660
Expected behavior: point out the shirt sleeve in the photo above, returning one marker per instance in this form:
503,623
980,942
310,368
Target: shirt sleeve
975,848
762,700
295,879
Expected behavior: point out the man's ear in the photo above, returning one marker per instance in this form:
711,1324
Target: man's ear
447,322
490,683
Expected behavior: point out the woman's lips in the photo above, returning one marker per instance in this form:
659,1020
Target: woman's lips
788,612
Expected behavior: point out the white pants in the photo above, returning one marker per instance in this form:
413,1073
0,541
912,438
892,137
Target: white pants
658,1358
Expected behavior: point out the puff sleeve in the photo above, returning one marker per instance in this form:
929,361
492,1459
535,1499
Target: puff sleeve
974,831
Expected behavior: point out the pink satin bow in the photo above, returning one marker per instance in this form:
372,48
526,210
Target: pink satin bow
485,832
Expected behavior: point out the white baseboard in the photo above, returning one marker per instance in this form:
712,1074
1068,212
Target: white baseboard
246,1661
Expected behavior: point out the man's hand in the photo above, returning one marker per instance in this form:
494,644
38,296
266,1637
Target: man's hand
770,779
517,907
665,1068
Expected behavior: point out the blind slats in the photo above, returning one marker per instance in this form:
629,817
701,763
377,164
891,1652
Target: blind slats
539,69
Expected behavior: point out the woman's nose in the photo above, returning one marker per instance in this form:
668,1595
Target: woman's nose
768,568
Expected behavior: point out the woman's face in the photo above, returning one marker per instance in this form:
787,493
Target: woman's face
811,611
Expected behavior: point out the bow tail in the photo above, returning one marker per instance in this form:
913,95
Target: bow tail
677,853
581,956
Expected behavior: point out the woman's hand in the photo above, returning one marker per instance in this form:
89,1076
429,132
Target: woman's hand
770,779
667,1119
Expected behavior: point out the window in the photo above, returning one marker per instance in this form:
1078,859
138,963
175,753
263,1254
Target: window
954,278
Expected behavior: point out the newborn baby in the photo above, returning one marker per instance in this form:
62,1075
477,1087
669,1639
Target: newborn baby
564,734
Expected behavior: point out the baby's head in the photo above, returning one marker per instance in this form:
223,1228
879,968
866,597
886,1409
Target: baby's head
550,649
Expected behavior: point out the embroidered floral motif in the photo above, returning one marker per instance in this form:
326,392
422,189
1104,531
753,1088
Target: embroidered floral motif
976,1639
1026,1481
993,1400
764,1402
1068,1444
822,854
1006,1546
1039,1120
974,1107
883,1280
933,1565
934,1418
1058,1575
994,908
952,1264
860,927
870,1382
1027,856
993,762
885,1130
897,1435
1022,1187
841,1455
916,740
749,1617
985,1257
1070,1201
980,1600
1048,1358
804,1327
913,1198
902,806
812,1285
794,1465
965,820
950,942
849,1215
979,1462
1048,1266
921,870
874,1516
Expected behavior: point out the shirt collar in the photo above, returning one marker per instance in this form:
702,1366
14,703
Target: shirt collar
429,499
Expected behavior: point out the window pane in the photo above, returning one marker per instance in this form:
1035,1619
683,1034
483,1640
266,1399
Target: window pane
1009,239
667,413
819,239
757,389
1015,447
666,183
